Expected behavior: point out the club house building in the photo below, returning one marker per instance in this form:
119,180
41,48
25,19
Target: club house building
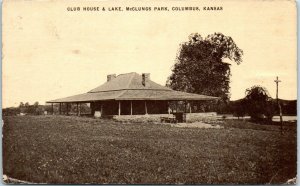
129,96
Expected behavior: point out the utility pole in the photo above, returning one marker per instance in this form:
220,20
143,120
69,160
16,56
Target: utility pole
277,81
278,104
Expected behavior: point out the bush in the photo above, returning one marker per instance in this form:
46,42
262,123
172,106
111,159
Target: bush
259,104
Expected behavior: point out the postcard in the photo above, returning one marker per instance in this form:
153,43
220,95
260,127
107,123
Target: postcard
149,92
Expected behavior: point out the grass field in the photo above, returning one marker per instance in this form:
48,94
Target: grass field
68,149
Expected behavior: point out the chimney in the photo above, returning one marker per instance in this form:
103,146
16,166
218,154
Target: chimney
111,77
146,79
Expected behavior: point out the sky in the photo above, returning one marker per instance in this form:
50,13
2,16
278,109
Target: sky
50,52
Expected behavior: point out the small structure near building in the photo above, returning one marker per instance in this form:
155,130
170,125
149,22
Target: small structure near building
131,94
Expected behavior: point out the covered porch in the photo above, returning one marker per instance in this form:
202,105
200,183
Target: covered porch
126,107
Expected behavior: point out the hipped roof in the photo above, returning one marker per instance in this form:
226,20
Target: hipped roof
129,87
130,81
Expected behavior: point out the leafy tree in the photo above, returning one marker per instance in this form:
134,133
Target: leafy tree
21,105
27,104
36,104
259,103
199,66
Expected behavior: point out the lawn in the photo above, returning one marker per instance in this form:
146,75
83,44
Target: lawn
69,149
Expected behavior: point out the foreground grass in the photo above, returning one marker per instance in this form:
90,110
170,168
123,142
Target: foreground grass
61,149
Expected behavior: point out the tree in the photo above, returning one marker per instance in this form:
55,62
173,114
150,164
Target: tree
36,104
259,103
199,66
21,105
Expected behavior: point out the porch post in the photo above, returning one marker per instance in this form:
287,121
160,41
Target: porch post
52,108
130,107
77,109
59,108
101,109
146,111
190,107
92,108
119,108
67,109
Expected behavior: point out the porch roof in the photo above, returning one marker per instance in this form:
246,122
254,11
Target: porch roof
133,95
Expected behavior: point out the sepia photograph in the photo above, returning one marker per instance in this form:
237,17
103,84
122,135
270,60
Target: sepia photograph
149,92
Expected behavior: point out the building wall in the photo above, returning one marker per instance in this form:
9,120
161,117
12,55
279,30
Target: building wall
190,117
203,116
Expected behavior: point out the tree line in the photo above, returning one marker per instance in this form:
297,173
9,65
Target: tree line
37,109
